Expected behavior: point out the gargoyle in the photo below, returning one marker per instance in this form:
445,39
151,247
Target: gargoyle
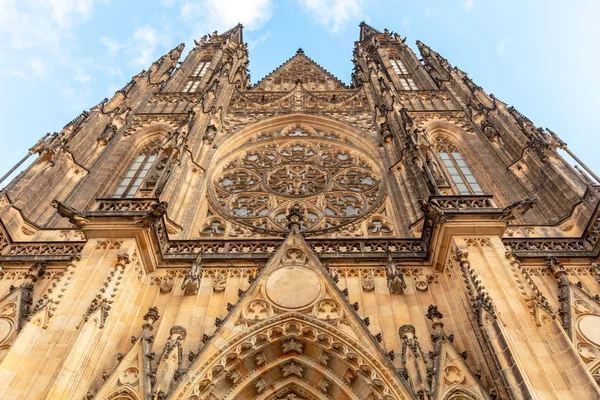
433,212
191,282
517,209
156,211
75,217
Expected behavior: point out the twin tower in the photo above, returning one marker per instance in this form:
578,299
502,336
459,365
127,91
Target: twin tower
197,236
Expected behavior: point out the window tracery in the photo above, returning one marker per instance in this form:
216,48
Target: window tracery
461,176
333,184
407,82
138,171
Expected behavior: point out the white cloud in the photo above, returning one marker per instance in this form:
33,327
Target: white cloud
406,25
503,47
168,3
64,11
141,48
206,15
31,23
334,14
37,66
112,45
428,12
80,75
17,72
253,43
469,4
145,40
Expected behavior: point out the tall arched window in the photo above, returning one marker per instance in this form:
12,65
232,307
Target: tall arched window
137,172
458,171
408,83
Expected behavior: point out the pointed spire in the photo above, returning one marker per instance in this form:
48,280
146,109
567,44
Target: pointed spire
236,33
437,65
162,68
366,31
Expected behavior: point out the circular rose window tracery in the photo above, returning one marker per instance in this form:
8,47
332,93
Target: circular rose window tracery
332,183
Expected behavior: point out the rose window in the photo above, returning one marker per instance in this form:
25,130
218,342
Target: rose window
334,184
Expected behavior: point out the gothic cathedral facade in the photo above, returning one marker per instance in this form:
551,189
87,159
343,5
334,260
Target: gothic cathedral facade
199,237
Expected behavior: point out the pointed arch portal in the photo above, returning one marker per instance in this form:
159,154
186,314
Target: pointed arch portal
292,355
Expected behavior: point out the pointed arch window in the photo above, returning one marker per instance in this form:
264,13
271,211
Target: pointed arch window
201,69
406,81
136,173
460,174
191,86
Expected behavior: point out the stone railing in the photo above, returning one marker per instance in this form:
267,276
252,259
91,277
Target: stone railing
113,206
459,203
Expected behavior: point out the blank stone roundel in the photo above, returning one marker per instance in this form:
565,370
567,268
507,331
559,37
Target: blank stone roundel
5,329
589,325
293,287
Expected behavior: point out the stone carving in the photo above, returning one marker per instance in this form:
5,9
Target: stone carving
122,205
191,282
294,256
219,282
256,310
587,351
292,369
328,310
235,376
453,375
129,377
166,284
292,345
421,282
260,385
367,281
324,385
260,359
332,184
517,209
394,276
75,217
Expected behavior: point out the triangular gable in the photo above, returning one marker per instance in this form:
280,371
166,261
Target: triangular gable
300,68
14,309
366,31
292,321
294,280
453,374
128,377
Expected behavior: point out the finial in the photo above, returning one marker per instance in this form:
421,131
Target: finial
150,318
300,51
294,218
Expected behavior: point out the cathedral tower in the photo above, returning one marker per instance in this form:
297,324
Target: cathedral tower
200,237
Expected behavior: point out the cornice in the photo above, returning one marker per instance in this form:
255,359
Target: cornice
134,215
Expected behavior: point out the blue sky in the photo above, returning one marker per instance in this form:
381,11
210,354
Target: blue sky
59,57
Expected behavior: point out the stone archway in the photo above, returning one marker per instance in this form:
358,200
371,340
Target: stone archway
291,355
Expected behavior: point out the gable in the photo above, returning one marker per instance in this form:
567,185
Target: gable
303,69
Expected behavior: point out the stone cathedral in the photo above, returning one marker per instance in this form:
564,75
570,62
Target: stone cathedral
196,236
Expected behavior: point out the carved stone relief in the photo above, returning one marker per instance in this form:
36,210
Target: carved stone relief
257,310
367,281
334,185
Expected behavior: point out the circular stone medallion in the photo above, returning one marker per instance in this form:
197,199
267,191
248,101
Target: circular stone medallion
5,329
297,180
589,325
293,287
